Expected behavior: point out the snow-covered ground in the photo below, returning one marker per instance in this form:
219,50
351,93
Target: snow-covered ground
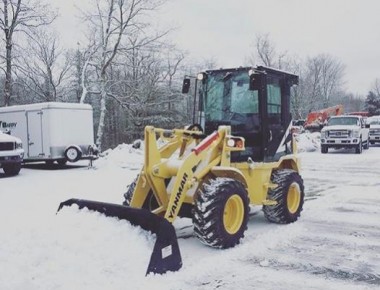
334,245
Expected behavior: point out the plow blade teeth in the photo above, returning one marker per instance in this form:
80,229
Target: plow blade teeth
166,255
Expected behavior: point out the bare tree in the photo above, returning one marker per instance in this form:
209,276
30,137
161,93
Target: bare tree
113,22
265,53
323,79
46,67
376,87
16,16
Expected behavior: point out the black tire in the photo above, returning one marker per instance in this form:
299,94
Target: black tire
324,149
150,202
73,153
366,146
289,195
359,147
12,169
128,194
195,127
221,212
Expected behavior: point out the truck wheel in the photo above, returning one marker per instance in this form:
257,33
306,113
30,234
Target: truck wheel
289,195
150,203
73,153
11,169
366,146
359,148
324,149
221,212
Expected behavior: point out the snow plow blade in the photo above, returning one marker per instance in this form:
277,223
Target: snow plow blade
166,255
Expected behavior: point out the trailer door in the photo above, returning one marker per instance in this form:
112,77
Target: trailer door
35,142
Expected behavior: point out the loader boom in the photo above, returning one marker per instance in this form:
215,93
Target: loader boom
184,171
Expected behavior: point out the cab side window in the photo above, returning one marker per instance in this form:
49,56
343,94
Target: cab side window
274,101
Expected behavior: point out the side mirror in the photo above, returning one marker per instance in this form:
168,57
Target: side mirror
367,126
186,86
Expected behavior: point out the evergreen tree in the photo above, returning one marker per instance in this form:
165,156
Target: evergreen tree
372,104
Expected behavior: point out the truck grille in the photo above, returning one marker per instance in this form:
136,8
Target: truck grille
339,133
374,132
6,146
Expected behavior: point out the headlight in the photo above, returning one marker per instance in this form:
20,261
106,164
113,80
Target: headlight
18,145
323,134
355,134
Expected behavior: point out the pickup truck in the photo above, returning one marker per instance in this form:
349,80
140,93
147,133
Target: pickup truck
374,130
345,132
11,154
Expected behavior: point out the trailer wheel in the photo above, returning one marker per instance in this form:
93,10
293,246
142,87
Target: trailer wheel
73,153
289,195
221,212
12,169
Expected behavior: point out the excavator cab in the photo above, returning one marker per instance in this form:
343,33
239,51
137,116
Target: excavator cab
255,102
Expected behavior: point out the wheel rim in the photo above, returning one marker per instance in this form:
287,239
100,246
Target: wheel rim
72,154
233,214
294,197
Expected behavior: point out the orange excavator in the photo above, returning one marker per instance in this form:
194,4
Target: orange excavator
315,120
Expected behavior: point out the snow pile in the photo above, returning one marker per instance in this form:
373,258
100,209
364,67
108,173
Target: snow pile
334,244
74,250
124,156
308,142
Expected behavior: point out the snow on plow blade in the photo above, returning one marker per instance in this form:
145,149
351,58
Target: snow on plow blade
166,255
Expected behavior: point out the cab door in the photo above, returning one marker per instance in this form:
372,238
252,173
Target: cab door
276,116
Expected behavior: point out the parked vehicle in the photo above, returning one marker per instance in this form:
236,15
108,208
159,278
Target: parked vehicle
317,119
345,132
374,130
361,113
298,126
52,131
11,154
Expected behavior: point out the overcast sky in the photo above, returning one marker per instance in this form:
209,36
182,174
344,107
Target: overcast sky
225,30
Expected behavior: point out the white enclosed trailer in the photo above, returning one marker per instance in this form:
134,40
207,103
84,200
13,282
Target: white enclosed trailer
52,131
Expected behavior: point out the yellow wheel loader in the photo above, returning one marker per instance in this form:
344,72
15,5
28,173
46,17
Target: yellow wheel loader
240,153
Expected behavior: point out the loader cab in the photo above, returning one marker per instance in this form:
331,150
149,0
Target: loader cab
255,102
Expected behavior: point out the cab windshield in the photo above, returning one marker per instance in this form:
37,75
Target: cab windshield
227,97
343,121
374,121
